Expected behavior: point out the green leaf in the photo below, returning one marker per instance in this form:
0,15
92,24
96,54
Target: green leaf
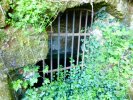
46,81
45,70
17,84
25,84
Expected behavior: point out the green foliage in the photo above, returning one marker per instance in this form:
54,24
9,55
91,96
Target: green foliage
106,72
17,84
33,13
27,77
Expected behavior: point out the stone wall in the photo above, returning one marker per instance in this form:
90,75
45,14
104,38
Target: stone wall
117,8
4,7
18,50
5,93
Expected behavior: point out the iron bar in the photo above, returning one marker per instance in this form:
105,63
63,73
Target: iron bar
58,43
83,49
79,37
73,34
72,44
51,58
43,63
78,9
66,36
70,34
61,69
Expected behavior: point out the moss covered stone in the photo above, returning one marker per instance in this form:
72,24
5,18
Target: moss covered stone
5,93
4,7
116,7
19,49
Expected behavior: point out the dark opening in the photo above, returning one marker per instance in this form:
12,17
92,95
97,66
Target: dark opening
40,79
70,22
55,66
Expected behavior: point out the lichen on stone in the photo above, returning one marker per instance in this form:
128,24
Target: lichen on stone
4,7
18,50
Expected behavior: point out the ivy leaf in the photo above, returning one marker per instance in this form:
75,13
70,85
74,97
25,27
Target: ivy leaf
17,84
45,70
25,84
46,81
26,69
32,81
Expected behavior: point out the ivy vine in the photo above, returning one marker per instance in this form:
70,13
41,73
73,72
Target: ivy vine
36,14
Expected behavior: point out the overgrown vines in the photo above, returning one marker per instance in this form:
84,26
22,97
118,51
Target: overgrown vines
35,14
108,67
106,73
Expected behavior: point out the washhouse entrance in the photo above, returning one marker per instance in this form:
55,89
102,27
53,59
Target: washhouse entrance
66,36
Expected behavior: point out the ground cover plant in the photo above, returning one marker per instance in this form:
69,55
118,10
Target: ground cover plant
35,14
107,71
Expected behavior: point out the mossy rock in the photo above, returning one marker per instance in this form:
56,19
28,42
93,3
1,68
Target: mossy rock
19,49
5,93
4,7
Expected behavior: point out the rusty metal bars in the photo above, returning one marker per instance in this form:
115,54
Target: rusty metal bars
70,34
83,49
83,19
79,37
58,44
66,36
65,53
51,55
73,28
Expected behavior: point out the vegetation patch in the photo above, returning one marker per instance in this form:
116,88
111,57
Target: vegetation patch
106,74
33,13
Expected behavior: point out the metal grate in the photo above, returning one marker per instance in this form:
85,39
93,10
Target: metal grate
65,35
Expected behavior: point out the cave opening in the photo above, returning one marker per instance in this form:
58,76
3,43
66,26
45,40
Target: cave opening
66,36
